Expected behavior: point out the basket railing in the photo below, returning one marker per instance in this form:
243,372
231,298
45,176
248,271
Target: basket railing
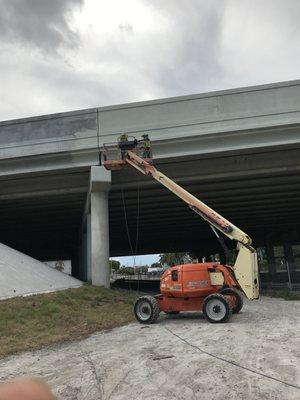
112,151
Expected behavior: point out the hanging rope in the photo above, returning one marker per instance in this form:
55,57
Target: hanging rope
133,251
137,220
137,228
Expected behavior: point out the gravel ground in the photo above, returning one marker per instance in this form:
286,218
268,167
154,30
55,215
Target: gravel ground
175,358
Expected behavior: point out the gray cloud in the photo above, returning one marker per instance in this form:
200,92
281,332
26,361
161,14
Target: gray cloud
193,47
158,48
221,44
125,26
39,23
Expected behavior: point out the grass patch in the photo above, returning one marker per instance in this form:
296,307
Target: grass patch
35,321
284,294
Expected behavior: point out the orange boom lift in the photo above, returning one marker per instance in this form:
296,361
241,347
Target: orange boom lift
211,287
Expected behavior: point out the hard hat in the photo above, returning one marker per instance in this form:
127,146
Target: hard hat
123,135
145,136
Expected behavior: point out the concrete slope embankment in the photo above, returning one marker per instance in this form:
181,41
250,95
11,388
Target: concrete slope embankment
22,275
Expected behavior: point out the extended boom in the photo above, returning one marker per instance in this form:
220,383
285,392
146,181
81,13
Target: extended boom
245,269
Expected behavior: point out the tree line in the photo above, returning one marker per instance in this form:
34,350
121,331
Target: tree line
165,260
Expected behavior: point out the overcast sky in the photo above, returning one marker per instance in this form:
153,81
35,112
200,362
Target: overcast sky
131,261
62,55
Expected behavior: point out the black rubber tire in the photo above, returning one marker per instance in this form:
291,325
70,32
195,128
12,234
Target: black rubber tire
172,312
220,297
154,309
238,296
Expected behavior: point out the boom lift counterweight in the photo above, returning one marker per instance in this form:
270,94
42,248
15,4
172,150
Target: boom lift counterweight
211,287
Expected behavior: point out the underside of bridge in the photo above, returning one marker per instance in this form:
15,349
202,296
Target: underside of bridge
41,215
259,192
254,191
237,150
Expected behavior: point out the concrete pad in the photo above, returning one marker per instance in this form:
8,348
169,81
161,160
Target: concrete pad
22,275
165,361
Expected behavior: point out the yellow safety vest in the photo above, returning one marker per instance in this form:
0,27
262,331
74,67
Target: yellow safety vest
147,144
123,137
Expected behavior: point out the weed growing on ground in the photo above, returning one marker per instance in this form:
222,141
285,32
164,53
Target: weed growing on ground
35,321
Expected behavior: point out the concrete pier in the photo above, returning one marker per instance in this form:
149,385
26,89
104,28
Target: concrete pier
99,226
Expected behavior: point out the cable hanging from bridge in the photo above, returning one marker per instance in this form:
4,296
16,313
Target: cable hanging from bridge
133,250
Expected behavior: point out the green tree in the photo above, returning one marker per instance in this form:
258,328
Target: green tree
156,265
170,259
126,271
142,269
114,264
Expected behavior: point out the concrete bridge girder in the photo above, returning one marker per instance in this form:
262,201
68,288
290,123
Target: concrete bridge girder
238,150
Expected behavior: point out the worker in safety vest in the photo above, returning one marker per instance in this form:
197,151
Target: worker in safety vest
126,143
123,137
146,146
122,140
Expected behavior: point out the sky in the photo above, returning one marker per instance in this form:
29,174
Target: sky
131,261
63,55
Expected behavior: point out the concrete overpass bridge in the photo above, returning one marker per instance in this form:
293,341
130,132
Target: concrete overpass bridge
238,150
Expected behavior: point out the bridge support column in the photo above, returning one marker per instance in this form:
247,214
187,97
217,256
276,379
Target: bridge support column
99,227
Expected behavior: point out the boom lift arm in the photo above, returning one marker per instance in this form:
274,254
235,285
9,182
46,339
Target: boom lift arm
245,267
195,204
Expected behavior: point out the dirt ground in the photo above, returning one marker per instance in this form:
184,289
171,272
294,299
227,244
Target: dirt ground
174,359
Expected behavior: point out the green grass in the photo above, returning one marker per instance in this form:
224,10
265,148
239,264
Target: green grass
284,294
35,321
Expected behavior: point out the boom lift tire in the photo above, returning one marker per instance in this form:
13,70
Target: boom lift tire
216,308
238,298
146,309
